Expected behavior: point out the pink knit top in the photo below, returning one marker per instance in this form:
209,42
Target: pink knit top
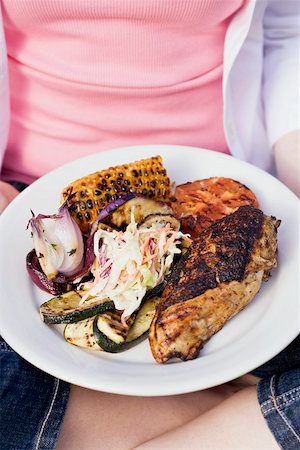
89,75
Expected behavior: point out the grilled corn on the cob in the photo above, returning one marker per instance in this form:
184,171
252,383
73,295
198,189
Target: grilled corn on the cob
87,196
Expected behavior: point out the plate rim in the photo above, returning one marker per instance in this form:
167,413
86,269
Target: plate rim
158,391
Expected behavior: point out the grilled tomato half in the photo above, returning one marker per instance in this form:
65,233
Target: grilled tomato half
199,203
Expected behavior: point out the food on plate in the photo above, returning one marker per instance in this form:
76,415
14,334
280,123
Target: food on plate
129,263
106,283
58,243
199,203
119,259
68,308
142,208
60,254
126,266
81,334
112,336
87,196
107,332
218,276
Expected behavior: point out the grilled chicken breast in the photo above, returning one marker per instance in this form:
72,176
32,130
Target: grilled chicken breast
218,276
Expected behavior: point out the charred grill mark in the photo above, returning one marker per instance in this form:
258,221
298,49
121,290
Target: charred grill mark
146,177
220,254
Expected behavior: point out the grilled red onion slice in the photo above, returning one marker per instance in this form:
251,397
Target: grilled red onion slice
110,208
58,243
39,278
61,282
88,261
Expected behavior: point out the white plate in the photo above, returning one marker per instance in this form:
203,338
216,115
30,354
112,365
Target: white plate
255,335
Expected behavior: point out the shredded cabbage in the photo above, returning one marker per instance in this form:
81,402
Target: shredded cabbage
129,263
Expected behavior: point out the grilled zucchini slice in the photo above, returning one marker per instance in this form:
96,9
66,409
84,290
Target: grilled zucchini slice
111,335
82,334
66,308
143,320
109,331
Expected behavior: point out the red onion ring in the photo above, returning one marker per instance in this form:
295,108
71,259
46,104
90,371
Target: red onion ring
111,207
39,278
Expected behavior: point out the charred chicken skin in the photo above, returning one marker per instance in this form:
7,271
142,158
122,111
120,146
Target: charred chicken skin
219,275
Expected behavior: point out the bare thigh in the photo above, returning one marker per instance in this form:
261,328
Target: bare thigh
235,424
97,420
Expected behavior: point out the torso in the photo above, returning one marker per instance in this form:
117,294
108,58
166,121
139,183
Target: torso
88,76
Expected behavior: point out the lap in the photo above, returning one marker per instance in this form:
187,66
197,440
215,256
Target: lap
34,405
123,422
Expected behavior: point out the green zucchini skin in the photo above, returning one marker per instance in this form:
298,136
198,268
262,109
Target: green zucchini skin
66,308
143,320
81,334
156,291
113,337
109,332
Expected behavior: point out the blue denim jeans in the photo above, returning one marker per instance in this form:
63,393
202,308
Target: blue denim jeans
278,394
279,398
33,403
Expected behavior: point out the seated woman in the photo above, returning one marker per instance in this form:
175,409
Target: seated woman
90,76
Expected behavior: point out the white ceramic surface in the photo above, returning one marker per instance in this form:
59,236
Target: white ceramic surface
255,335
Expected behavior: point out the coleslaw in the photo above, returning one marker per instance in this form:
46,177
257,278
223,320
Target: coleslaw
131,262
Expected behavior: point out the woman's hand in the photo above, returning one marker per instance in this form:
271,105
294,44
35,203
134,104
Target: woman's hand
7,194
287,157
